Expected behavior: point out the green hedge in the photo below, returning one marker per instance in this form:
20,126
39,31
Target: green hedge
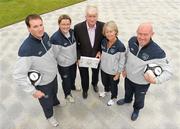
12,11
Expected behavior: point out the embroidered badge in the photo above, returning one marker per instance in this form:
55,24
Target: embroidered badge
49,44
112,51
40,52
65,44
145,56
132,49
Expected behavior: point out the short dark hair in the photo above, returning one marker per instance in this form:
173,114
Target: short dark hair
32,17
64,16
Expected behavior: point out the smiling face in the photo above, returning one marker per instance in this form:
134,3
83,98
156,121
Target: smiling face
91,16
36,28
110,31
65,25
110,34
144,33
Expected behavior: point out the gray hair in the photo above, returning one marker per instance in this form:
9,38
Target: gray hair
91,8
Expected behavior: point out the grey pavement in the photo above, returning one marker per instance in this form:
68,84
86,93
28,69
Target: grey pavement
162,106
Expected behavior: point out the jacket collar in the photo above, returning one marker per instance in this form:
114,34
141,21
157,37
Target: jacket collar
150,42
61,33
34,38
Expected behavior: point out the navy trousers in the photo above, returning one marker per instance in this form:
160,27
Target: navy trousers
110,84
84,74
68,76
139,92
47,103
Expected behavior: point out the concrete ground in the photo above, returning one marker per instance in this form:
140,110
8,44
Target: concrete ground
162,106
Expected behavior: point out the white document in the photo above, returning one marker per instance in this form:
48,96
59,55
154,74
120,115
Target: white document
91,62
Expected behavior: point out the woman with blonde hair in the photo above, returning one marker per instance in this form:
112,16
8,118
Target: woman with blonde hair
112,61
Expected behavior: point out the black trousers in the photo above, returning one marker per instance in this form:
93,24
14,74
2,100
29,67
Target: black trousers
139,92
68,76
84,74
110,84
47,103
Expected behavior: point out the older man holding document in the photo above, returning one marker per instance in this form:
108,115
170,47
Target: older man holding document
88,35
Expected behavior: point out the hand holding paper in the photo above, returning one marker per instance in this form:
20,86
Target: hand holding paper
89,62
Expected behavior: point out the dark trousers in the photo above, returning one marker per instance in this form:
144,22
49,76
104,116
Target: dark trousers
139,92
68,76
110,84
84,73
47,103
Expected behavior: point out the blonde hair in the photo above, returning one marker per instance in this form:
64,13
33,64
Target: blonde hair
112,25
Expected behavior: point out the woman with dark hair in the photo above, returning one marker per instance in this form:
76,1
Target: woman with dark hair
66,55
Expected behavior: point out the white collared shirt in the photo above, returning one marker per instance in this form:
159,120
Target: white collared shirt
91,32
